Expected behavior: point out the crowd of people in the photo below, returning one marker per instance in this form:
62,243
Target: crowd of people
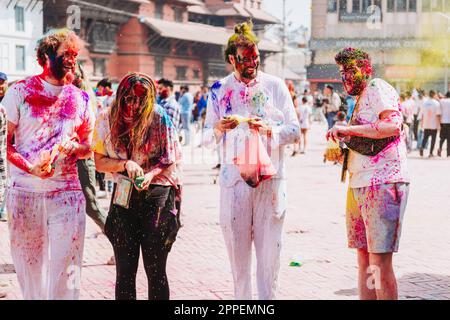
426,115
63,135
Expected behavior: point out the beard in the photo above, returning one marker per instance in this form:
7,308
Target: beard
250,75
355,88
59,71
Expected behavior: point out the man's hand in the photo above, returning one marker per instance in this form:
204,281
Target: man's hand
261,126
337,132
69,148
133,169
148,177
39,170
224,125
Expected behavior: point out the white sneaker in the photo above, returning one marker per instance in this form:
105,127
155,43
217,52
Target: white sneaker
101,194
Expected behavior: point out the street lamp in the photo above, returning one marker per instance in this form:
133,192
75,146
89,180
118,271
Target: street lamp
446,47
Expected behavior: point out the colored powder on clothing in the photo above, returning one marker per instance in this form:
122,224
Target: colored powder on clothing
226,101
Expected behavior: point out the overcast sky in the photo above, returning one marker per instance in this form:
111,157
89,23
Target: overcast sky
298,11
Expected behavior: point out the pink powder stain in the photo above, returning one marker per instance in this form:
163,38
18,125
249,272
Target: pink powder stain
68,105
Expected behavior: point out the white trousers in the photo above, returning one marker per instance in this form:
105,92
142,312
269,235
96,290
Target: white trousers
254,215
47,237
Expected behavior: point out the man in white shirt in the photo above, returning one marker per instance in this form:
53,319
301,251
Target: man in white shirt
249,211
407,108
331,107
429,118
445,124
50,125
379,184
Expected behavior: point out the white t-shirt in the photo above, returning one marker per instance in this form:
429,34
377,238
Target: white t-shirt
266,97
445,111
334,104
303,113
45,115
408,110
388,166
430,110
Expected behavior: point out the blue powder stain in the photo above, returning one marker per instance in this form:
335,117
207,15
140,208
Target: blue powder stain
214,87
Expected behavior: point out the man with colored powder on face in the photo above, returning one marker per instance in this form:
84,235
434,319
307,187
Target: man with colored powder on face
50,127
251,213
379,184
168,102
331,107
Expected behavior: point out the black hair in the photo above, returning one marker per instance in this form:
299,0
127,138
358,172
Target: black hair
166,83
106,83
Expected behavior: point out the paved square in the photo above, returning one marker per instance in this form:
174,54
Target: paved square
314,232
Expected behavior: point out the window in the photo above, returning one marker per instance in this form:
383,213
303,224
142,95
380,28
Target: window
99,67
343,6
356,6
20,58
365,5
196,73
391,6
20,21
159,6
181,72
332,6
178,13
159,66
412,5
401,6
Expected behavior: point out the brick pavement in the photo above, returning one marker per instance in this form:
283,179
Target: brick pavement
314,230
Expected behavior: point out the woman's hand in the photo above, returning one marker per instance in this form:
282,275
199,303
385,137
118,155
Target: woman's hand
133,169
148,177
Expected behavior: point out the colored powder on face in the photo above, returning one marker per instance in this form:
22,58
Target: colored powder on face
248,61
57,67
139,89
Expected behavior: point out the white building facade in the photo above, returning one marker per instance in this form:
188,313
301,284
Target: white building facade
406,39
21,25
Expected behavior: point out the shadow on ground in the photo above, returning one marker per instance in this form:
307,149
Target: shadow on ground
415,286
